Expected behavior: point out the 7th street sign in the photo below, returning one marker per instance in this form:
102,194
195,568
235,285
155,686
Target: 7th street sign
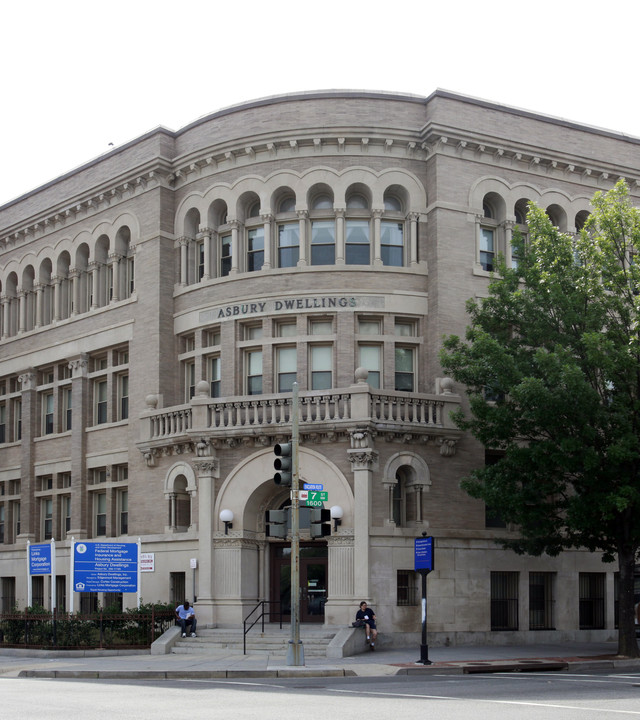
313,497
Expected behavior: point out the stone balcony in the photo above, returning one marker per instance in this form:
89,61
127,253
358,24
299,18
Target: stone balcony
325,416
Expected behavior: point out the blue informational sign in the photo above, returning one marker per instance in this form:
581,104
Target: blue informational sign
40,559
312,486
424,554
105,567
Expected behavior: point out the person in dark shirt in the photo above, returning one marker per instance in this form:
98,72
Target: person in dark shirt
368,615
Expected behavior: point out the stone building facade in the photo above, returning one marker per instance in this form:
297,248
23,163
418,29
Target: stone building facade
158,303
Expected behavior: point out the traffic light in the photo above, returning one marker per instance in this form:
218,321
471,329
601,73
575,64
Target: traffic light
283,464
320,525
276,523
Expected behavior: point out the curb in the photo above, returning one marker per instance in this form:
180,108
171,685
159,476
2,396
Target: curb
183,675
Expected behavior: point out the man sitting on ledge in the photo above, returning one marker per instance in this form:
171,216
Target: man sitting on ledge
185,616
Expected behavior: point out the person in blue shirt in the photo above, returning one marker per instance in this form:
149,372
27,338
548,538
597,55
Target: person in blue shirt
186,618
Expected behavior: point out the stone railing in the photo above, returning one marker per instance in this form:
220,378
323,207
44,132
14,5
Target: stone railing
267,415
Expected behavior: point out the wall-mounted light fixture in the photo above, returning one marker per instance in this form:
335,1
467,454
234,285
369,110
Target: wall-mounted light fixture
336,515
227,518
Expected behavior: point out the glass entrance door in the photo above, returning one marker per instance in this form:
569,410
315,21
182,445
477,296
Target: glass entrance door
313,581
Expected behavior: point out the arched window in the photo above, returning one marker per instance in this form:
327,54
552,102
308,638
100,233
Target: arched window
392,232
288,237
357,230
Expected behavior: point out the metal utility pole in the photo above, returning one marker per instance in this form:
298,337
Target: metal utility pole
295,652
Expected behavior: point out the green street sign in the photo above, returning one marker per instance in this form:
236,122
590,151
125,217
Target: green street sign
315,496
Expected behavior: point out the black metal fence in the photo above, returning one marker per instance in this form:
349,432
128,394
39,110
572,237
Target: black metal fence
131,629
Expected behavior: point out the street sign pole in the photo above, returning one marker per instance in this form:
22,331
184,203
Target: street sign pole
295,652
424,564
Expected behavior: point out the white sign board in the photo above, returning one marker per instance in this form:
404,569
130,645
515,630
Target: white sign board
147,562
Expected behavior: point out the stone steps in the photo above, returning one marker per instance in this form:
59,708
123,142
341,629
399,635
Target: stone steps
272,642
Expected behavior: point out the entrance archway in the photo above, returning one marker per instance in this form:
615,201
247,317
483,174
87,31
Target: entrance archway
313,581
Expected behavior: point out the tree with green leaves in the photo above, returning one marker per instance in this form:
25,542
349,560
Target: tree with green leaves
557,344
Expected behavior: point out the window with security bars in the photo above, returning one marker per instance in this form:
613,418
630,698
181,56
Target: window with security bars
591,592
406,588
541,601
504,600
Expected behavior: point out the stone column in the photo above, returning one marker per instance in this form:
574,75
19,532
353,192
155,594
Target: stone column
205,236
302,231
413,239
94,269
340,252
235,577
22,311
115,277
267,264
363,461
74,289
208,469
56,299
6,304
28,514
39,287
377,251
183,242
235,226
82,408
341,600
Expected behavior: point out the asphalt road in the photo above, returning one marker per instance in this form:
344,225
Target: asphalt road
527,696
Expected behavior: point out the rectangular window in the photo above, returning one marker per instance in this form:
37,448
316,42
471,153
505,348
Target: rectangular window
404,328
254,372
37,591
288,245
406,588
369,327
123,397
15,506
189,380
391,243
541,601
17,420
487,248
123,510
253,332
369,357
255,249
100,399
286,329
504,600
591,609
404,371
211,338
199,260
321,367
100,510
47,518
225,255
3,421
66,409
131,276
47,414
323,242
8,598
2,511
357,246
320,327
214,376
286,363
65,515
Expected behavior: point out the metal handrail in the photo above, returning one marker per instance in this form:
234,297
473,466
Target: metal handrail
260,617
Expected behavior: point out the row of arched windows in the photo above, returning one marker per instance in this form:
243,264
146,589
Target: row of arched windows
293,232
64,286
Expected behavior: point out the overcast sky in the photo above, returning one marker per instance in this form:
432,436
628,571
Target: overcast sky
78,75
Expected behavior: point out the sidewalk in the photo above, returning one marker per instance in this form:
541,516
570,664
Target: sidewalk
227,664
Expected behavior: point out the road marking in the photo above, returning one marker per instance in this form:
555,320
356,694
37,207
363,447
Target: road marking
491,702
232,682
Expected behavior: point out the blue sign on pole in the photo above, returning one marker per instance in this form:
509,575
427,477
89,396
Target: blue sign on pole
40,559
424,554
312,486
105,567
